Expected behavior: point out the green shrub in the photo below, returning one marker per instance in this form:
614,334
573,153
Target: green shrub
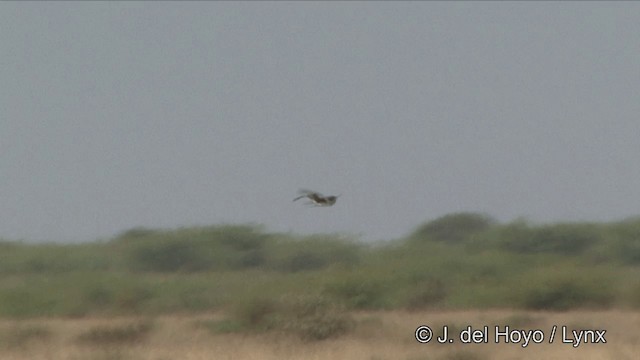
169,256
241,238
257,313
573,289
23,302
628,251
626,240
427,294
224,326
21,336
130,298
53,258
633,296
316,318
116,335
99,296
303,261
314,253
453,228
357,293
308,317
135,234
564,239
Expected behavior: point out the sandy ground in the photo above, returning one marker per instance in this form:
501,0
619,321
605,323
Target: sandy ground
376,336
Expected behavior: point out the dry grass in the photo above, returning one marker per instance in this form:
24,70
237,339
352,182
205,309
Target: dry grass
376,336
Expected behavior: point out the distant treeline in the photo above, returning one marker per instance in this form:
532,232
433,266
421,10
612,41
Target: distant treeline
462,260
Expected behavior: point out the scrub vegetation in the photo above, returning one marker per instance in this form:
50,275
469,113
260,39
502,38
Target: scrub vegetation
237,291
458,261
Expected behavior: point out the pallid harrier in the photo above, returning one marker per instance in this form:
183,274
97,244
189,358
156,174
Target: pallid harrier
316,198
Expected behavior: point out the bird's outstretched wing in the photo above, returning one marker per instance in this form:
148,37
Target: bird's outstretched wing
308,193
300,197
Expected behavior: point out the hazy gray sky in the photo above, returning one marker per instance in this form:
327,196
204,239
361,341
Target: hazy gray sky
168,114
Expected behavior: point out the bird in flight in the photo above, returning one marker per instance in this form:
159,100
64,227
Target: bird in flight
316,198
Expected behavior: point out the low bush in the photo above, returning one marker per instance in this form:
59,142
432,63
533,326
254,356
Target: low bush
316,318
310,318
453,228
315,253
116,335
169,256
564,239
21,336
357,292
427,294
549,290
